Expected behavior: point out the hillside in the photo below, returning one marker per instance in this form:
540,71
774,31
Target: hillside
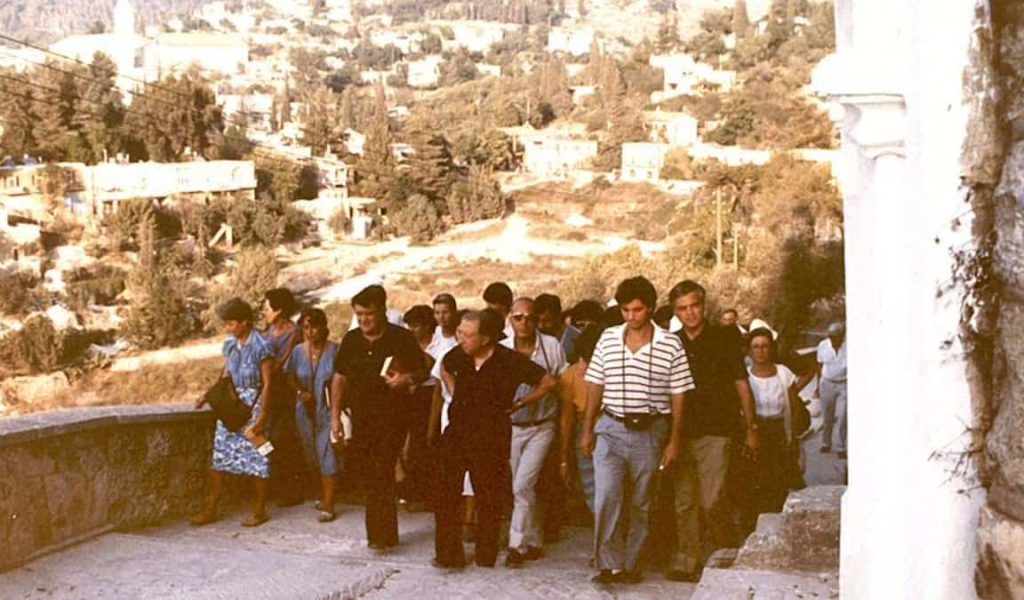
45,21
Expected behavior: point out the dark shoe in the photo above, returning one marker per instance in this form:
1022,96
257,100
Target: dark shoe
532,553
448,564
630,577
841,454
682,576
605,577
514,559
825,449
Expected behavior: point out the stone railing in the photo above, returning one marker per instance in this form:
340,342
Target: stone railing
70,475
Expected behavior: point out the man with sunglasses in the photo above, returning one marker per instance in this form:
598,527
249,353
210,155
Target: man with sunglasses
533,432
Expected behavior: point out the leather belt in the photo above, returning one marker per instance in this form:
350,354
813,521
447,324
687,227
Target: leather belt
532,423
616,417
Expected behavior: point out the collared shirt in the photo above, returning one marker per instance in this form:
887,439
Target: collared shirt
548,354
643,381
833,364
482,397
393,316
439,346
713,408
360,361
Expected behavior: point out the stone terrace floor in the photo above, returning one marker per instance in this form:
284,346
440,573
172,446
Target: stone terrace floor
293,556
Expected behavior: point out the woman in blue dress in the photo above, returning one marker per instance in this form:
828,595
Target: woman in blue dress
309,370
250,363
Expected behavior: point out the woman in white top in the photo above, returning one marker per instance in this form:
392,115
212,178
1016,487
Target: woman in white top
775,388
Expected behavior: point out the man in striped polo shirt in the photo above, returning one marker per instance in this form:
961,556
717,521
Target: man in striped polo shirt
636,381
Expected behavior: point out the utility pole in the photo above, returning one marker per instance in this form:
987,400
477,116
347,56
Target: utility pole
718,228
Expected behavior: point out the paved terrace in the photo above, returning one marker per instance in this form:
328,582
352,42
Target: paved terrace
293,556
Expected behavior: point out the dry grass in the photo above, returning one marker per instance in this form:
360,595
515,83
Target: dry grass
151,384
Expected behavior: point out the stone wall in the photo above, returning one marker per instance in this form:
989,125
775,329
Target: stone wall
69,475
995,174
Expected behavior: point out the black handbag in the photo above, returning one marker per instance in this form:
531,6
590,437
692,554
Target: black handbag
229,408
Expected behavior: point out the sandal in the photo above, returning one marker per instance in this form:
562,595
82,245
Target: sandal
325,516
255,520
204,518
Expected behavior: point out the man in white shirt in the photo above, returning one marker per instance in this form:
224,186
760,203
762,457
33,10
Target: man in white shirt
635,380
832,387
533,432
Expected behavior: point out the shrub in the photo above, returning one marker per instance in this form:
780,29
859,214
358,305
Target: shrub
100,284
36,348
420,219
159,314
18,293
254,272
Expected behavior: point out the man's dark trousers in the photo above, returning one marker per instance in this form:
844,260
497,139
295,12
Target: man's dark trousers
492,489
380,452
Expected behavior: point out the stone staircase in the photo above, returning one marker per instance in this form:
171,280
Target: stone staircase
793,554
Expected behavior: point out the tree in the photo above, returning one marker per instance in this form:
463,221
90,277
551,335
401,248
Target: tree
431,166
420,219
158,315
476,196
254,272
625,125
320,116
181,114
19,113
376,167
56,130
460,68
102,126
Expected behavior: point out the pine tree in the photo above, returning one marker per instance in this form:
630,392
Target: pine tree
376,167
101,124
322,127
56,131
18,112
477,196
419,219
431,166
180,114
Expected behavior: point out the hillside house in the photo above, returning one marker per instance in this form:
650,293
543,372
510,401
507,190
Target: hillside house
574,39
642,161
676,129
425,73
555,157
683,76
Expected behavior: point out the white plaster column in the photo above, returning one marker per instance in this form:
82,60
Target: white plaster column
907,530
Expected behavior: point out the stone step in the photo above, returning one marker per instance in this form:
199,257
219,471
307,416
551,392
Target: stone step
753,584
804,537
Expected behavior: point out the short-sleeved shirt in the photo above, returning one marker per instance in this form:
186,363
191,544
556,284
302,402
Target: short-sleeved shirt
713,408
482,397
833,364
643,381
244,360
771,393
548,354
360,361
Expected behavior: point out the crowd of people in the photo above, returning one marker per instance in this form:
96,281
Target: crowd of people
675,432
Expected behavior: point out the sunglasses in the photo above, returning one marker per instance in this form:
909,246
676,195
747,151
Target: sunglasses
520,317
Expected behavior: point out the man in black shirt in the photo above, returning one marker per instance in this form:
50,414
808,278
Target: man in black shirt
376,368
483,377
715,413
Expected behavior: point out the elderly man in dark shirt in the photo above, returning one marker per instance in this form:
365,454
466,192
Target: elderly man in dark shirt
377,366
483,377
716,411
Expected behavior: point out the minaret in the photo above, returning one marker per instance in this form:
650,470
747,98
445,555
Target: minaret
124,19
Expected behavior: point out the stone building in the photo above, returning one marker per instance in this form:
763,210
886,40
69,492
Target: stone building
642,161
674,128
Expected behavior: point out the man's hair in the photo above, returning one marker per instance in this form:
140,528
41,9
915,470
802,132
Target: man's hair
498,293
730,310
491,323
372,296
662,315
586,310
587,341
446,299
315,317
611,317
684,288
421,314
235,309
636,288
283,300
548,304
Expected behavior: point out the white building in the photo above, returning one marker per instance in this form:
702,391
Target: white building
407,42
354,141
424,73
684,76
548,157
674,128
256,109
488,70
474,36
575,40
224,53
123,45
580,93
642,161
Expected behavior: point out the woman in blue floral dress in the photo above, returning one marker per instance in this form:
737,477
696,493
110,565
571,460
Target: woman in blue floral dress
250,363
310,369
